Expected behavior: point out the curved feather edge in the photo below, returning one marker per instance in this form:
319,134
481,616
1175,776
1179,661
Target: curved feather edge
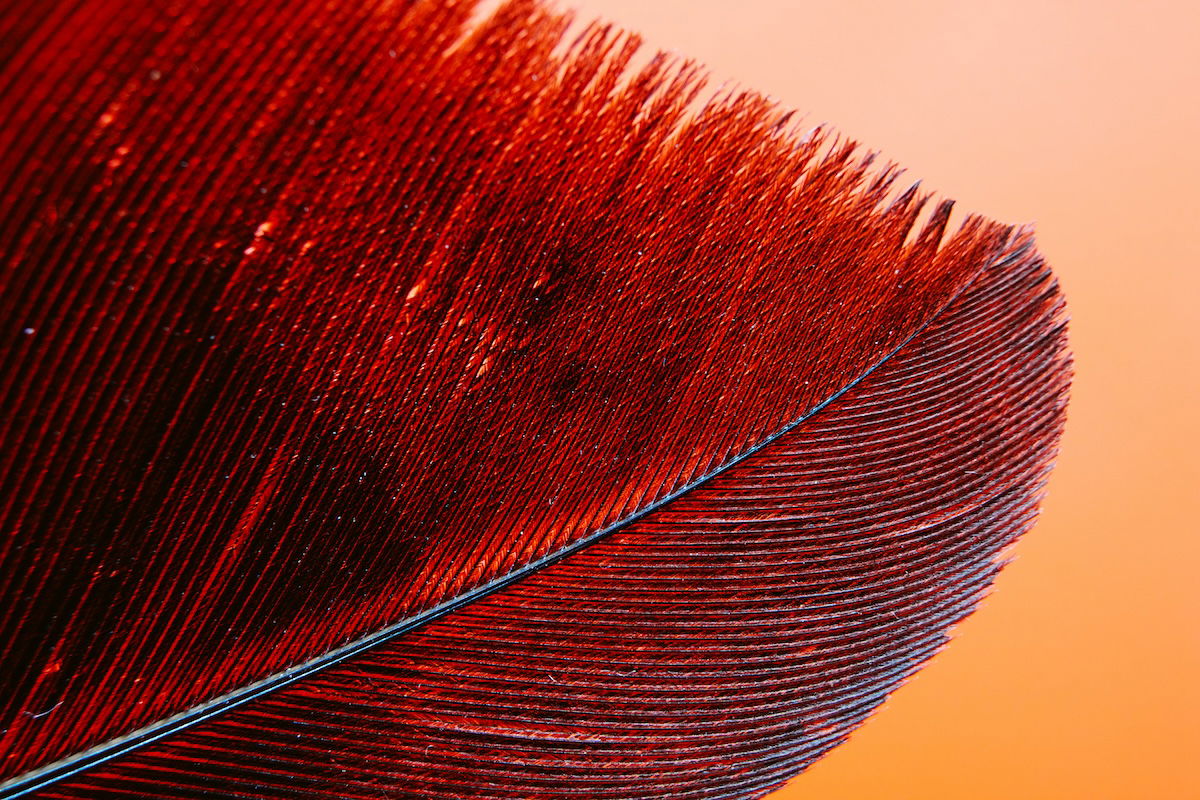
712,648
846,196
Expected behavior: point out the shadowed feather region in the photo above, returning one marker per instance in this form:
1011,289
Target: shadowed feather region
399,402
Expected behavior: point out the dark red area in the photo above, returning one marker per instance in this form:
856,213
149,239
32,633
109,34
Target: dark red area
716,646
317,316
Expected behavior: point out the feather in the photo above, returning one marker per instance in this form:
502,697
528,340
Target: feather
400,403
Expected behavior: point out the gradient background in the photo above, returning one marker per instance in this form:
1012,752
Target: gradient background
1078,677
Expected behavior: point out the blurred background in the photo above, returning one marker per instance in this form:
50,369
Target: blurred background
1080,675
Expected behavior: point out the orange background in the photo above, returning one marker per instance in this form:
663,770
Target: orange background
1080,676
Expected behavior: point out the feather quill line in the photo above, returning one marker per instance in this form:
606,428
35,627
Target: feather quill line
56,771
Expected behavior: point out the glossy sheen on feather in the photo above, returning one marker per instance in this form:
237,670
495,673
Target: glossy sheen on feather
319,318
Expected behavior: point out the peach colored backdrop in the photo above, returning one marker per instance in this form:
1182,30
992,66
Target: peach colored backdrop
1080,677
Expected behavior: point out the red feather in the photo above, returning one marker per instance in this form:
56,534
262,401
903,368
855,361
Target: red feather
396,406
